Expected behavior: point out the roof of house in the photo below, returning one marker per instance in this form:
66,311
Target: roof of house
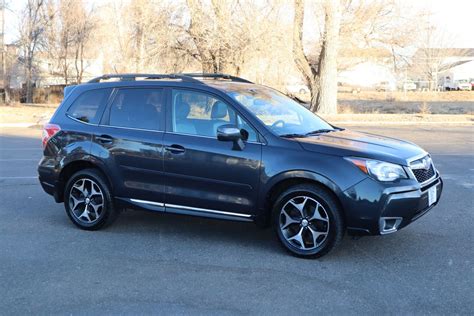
444,52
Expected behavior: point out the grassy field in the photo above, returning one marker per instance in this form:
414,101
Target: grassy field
443,102
26,113
453,102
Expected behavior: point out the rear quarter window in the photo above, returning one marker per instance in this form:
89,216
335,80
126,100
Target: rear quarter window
89,105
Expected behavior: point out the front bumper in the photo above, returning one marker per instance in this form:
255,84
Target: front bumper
373,208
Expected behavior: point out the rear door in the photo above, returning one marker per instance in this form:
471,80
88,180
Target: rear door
203,174
130,142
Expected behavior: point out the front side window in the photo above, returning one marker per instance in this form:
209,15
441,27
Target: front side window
277,111
138,108
197,113
86,107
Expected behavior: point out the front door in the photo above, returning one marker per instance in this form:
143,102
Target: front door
204,174
130,140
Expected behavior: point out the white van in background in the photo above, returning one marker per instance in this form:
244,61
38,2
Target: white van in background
449,83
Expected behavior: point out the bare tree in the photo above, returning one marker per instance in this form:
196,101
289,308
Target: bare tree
34,21
67,37
379,28
211,30
327,95
321,77
83,29
145,36
225,34
435,54
307,69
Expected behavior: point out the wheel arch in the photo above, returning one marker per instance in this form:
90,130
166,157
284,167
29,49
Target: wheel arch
284,180
74,166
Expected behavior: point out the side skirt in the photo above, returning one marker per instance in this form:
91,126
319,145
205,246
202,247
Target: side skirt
184,210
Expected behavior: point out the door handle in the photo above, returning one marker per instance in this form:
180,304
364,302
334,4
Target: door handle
175,149
105,139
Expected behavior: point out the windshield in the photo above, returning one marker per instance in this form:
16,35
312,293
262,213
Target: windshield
462,81
277,111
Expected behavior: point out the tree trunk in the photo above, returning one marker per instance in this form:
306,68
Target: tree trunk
301,61
29,83
327,95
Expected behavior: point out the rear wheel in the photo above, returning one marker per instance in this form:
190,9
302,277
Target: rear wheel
88,201
308,220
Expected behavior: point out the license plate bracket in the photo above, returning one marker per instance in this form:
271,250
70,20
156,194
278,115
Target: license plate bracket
432,195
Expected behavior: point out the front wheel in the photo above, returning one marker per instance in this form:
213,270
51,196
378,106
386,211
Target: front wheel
308,221
88,201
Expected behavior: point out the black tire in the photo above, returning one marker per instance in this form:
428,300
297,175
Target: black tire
108,212
334,225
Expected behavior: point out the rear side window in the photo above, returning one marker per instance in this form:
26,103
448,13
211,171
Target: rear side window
88,106
141,108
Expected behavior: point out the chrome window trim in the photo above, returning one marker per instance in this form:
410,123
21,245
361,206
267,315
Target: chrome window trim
210,137
132,128
207,210
78,120
148,202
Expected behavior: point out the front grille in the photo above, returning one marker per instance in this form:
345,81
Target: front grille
423,174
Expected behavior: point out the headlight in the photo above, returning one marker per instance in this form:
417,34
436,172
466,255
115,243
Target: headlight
380,170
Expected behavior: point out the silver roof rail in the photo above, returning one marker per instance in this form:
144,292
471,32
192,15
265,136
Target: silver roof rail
134,77
186,77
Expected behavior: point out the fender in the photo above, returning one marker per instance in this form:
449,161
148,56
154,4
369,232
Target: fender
294,174
98,163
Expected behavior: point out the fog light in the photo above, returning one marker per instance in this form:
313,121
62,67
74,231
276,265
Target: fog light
389,225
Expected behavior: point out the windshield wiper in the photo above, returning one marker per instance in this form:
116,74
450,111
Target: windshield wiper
320,131
293,135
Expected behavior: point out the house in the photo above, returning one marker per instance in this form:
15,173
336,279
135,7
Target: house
47,71
366,68
442,67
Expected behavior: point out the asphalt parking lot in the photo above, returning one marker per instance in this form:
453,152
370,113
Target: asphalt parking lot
156,263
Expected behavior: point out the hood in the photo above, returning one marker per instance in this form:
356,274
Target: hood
357,144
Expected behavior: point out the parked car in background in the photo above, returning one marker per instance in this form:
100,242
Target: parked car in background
297,89
472,83
408,85
456,84
462,84
219,146
385,86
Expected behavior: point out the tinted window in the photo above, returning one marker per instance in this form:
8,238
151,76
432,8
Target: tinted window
87,105
138,108
201,114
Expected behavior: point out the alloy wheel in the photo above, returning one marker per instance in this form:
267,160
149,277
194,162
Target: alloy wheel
304,223
86,201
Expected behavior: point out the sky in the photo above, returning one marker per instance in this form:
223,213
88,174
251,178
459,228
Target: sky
453,17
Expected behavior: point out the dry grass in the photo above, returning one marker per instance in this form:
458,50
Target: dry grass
425,108
416,96
23,113
400,119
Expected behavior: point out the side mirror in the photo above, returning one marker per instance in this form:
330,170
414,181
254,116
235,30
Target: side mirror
230,133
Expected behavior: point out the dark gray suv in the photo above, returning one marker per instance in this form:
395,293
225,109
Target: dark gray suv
222,147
